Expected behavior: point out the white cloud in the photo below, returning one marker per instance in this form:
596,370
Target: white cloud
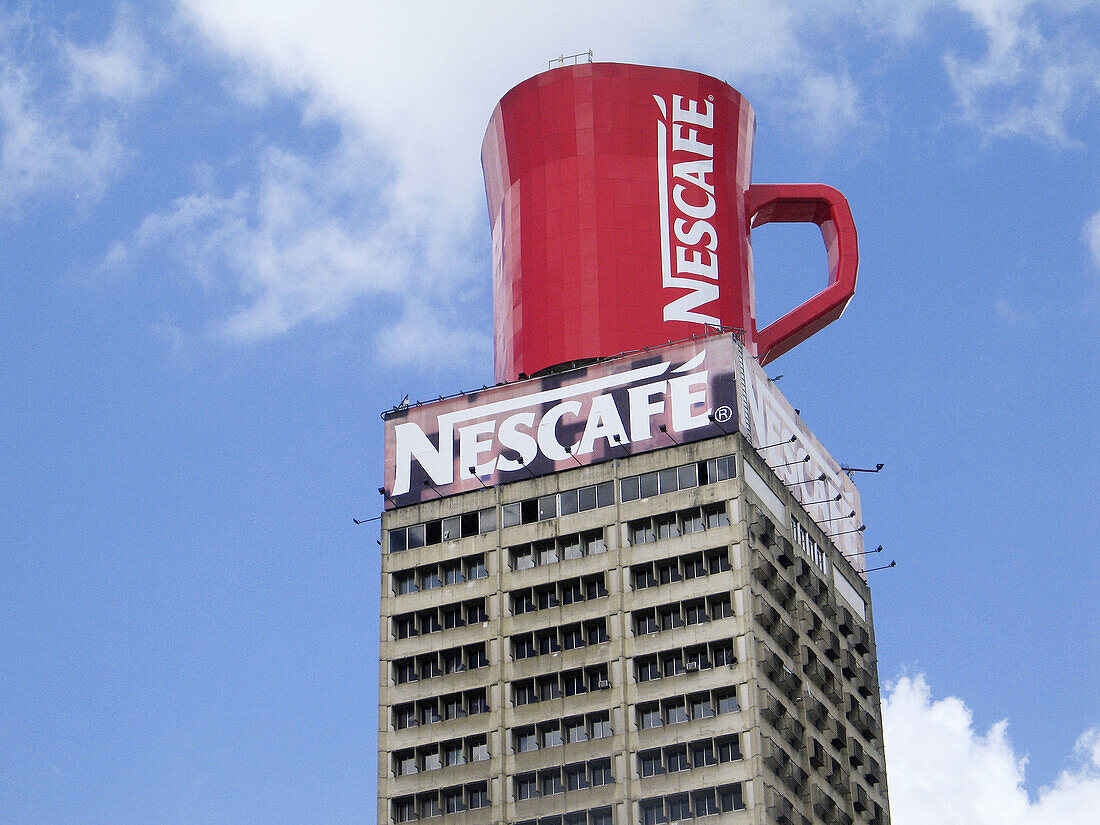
942,772
41,151
1091,234
1037,72
121,67
56,137
414,87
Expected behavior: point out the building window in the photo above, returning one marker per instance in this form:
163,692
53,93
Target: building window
452,800
478,796
650,763
599,772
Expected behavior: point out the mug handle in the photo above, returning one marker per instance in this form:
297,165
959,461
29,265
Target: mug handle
825,206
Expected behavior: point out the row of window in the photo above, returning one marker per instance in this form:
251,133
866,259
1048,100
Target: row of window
435,619
679,568
553,733
560,779
686,708
565,683
431,576
684,660
566,591
593,816
672,479
474,523
556,639
430,665
425,805
441,755
440,708
810,547
553,505
681,523
684,757
681,614
679,807
551,551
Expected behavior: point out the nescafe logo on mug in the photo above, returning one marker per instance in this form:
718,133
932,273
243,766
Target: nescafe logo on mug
689,241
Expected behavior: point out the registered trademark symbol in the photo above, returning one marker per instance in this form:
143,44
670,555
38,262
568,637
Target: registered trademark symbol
710,97
723,414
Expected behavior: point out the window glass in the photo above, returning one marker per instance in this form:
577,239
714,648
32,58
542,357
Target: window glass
594,542
653,812
702,754
548,507
649,716
452,800
700,706
727,701
552,735
730,799
487,520
667,480
601,725
511,514
687,476
598,816
586,498
599,771
647,485
679,807
550,782
605,494
452,528
479,796
416,536
397,540
649,762
575,730
433,532
675,710
575,777
475,568
629,489
729,749
704,802
568,502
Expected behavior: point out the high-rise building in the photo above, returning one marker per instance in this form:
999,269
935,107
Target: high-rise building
630,589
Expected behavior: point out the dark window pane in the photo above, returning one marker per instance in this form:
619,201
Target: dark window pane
605,494
568,502
629,489
397,540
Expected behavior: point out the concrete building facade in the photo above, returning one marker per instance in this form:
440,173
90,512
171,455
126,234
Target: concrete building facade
660,637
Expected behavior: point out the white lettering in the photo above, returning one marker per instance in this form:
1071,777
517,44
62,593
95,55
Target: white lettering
690,114
412,443
547,432
470,446
511,438
696,251
687,391
603,422
642,410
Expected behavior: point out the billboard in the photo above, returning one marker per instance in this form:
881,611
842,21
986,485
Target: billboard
581,416
804,466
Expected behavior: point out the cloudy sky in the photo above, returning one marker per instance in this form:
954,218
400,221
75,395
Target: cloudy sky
233,232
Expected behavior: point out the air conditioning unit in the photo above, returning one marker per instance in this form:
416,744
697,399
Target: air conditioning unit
603,684
691,667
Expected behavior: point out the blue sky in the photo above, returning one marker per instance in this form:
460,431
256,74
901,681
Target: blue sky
233,232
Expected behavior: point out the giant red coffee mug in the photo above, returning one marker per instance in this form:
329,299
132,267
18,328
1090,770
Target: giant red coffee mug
621,202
